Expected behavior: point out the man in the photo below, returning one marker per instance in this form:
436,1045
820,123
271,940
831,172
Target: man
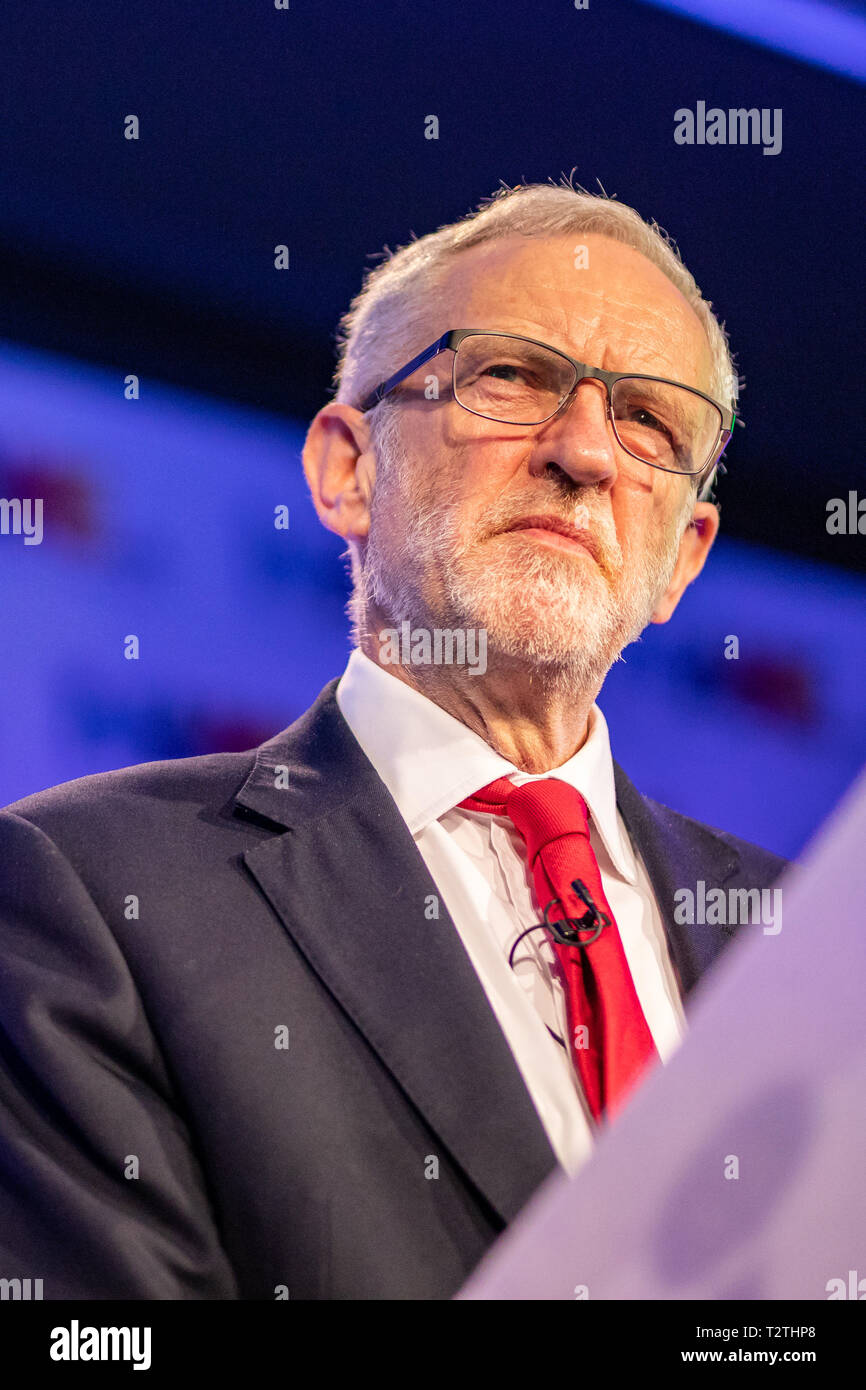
315,1021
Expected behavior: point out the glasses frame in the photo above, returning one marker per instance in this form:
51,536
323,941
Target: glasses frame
451,340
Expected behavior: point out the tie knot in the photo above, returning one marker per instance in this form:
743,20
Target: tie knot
542,811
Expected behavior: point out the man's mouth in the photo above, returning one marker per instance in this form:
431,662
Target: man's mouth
553,531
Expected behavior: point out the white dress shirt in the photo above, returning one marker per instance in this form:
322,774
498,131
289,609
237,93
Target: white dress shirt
430,761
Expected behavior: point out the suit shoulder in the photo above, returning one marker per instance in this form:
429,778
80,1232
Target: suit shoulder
760,859
125,794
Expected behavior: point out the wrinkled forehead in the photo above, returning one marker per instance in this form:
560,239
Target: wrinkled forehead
593,297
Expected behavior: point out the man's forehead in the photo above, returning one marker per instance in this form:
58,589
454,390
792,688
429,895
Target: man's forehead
606,301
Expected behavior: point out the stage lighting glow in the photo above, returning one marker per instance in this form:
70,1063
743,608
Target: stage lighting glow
820,33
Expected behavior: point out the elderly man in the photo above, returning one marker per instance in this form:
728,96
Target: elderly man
316,1021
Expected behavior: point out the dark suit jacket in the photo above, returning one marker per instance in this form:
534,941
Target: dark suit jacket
148,1043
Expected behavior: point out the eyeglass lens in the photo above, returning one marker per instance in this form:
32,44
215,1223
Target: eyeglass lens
518,382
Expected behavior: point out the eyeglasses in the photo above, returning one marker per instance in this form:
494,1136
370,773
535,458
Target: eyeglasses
520,381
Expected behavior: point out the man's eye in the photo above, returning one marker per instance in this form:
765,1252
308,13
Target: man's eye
502,370
509,372
647,420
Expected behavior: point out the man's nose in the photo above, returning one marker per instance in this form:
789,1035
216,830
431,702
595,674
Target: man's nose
579,440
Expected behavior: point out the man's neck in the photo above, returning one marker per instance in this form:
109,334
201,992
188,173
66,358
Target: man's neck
536,729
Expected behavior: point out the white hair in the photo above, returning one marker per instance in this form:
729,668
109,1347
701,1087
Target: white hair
387,320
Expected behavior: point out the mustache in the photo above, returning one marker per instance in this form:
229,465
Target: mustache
586,514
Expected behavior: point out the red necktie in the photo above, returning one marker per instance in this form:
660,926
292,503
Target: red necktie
610,1041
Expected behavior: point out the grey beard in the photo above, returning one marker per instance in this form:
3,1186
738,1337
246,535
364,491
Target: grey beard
506,601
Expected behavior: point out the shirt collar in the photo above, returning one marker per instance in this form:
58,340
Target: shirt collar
430,761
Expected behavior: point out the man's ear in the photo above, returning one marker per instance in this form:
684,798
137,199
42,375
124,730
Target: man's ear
340,468
695,546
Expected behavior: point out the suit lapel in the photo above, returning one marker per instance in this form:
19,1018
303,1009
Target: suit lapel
349,885
678,854
352,890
